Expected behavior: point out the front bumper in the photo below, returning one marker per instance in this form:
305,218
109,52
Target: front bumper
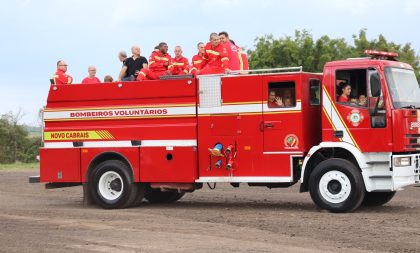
406,175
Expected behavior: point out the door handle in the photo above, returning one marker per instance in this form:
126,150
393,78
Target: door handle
268,125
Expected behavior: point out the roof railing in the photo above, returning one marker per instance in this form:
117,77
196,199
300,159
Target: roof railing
260,71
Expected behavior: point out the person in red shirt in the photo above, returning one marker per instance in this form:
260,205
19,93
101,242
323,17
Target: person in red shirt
345,93
91,78
243,60
198,60
180,63
60,76
216,57
273,100
233,50
160,64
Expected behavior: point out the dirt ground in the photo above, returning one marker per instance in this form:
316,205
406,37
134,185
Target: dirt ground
226,219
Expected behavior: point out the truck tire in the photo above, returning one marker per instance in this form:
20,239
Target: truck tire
337,185
158,196
111,185
377,198
141,191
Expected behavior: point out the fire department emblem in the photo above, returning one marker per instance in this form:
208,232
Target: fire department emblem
291,141
355,117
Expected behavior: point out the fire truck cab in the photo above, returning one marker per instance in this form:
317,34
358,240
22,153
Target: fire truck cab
159,139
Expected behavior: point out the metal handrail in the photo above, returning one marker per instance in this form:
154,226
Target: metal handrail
259,71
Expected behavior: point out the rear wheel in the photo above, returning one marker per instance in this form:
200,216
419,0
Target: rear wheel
111,185
158,196
377,198
336,185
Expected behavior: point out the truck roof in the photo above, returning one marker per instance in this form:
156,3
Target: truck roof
352,62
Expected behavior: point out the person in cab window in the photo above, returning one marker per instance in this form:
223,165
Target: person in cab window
273,100
288,102
362,100
345,93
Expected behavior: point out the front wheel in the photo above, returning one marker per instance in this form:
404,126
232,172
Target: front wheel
377,198
336,185
111,185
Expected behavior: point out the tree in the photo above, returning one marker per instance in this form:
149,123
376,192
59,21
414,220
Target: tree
302,50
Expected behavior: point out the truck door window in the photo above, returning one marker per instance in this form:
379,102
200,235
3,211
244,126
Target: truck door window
351,87
314,92
281,94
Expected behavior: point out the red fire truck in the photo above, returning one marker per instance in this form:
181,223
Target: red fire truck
156,140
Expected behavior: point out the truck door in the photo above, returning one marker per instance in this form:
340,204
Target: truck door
281,113
354,88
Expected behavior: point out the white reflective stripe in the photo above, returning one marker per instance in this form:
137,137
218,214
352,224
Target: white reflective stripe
118,144
168,143
298,107
335,118
283,153
247,108
58,144
244,180
106,144
134,112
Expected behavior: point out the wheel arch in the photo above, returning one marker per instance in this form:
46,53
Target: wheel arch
105,156
328,150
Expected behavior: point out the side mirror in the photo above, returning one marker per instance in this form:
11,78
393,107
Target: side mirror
375,83
372,104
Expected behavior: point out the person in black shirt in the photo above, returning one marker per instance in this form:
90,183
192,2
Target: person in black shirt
132,65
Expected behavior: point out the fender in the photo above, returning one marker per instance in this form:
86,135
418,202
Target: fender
360,157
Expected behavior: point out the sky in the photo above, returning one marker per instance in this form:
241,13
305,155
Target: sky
36,34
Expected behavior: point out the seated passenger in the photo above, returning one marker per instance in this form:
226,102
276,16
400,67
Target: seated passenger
273,100
198,60
288,102
181,65
160,64
108,79
132,65
362,100
288,94
345,93
60,76
91,78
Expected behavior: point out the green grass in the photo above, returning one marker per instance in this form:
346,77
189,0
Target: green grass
19,166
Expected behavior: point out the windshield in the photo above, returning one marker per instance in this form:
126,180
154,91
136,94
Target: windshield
405,91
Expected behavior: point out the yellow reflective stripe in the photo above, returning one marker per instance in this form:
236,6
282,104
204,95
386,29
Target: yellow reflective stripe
192,69
170,66
69,80
185,71
212,52
178,64
151,62
241,62
161,58
197,62
143,74
225,59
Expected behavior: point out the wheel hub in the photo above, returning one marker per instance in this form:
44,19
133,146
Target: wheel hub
335,186
110,185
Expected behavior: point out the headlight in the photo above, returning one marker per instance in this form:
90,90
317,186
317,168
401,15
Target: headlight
402,161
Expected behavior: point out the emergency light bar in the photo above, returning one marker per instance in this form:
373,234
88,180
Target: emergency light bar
381,54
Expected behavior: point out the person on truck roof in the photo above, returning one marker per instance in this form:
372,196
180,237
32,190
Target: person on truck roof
122,56
216,57
181,64
60,76
132,65
233,51
160,64
197,61
91,78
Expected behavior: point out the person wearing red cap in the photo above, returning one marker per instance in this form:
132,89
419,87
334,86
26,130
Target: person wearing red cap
60,76
180,63
160,64
198,60
216,57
